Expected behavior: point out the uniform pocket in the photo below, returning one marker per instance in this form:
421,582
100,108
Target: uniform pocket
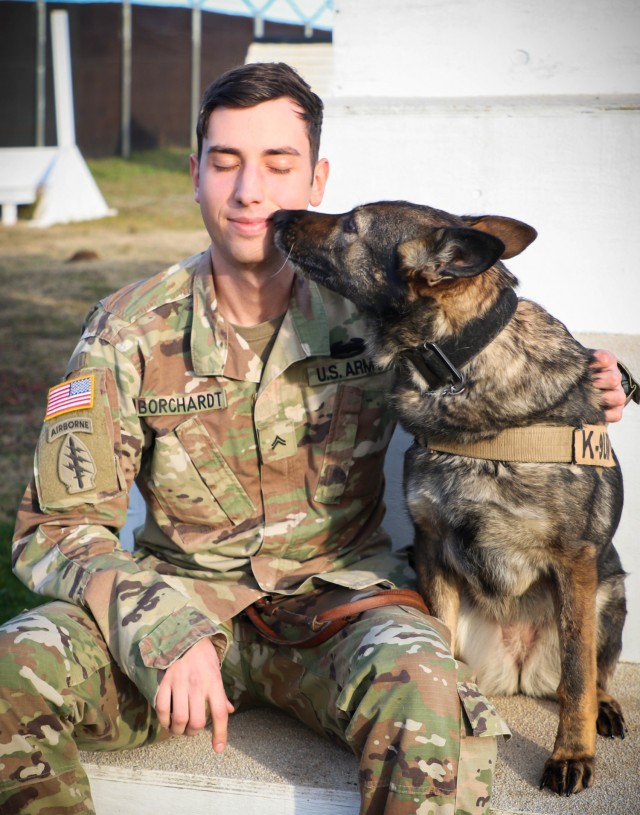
360,431
339,447
480,715
192,481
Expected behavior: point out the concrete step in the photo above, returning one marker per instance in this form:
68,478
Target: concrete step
272,766
275,766
127,792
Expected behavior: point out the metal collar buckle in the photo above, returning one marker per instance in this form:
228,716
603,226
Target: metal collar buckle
459,383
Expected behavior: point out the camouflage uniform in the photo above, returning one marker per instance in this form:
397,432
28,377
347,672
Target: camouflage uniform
258,480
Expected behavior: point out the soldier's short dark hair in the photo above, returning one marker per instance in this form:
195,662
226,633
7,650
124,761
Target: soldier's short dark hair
251,84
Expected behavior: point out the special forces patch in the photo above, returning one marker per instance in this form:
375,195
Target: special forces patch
75,454
76,467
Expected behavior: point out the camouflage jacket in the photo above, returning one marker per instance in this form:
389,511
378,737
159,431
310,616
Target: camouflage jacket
256,481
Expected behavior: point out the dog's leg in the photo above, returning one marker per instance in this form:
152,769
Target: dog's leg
440,590
612,612
610,718
571,765
444,603
440,587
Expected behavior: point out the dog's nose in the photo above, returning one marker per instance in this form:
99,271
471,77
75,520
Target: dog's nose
282,217
278,216
282,220
286,217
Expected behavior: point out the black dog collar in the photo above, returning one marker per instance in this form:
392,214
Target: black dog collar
439,363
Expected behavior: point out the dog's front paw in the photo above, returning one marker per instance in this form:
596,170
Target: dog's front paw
566,776
610,719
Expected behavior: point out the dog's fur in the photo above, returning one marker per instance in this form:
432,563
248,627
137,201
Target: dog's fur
516,558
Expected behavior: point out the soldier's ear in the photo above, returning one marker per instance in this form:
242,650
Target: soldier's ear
194,171
447,253
516,235
319,182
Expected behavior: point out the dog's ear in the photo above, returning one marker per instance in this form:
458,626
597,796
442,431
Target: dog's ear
516,235
447,253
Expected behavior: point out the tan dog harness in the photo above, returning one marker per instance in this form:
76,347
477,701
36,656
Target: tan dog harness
589,444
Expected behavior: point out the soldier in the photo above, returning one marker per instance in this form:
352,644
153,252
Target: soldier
242,402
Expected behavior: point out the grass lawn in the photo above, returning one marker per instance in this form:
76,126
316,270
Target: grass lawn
14,597
46,295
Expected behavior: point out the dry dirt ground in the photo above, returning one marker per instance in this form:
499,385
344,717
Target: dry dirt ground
44,298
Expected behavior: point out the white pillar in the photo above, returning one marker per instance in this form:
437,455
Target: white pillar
65,126
125,109
196,49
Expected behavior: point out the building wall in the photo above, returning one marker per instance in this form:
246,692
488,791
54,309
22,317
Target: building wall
526,108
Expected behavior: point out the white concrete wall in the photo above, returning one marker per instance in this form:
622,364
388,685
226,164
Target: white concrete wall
440,48
572,172
527,108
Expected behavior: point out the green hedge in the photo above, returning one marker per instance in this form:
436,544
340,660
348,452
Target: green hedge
14,597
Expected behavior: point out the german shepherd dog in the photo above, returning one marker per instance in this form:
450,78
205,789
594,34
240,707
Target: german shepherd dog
513,539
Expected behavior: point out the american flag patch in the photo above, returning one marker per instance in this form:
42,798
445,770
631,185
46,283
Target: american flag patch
71,395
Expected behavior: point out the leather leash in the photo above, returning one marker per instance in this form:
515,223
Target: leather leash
329,622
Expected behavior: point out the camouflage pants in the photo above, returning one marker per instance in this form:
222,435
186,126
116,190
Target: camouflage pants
386,686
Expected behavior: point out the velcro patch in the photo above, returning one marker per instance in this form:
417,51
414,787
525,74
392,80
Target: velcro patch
180,404
73,394
76,466
75,458
342,369
591,445
75,425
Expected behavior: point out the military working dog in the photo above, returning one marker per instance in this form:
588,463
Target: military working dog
512,486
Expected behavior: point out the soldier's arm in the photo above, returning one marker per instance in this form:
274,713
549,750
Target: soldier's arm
66,541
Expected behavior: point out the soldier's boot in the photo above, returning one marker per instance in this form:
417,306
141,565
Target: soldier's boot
60,692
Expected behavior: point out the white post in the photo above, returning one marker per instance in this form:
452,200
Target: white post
62,83
41,54
125,113
9,214
196,50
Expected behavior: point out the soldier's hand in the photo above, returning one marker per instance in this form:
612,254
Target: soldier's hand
607,378
190,687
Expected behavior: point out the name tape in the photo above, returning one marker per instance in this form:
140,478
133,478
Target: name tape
343,369
591,445
180,404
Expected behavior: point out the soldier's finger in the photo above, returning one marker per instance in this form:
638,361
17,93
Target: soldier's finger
613,414
197,713
163,703
604,360
179,705
220,708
